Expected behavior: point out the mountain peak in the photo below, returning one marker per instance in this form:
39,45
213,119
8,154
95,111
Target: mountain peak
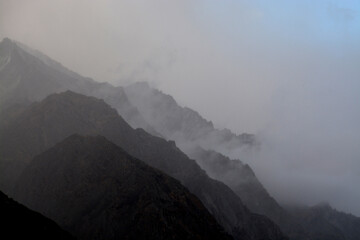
7,41
6,48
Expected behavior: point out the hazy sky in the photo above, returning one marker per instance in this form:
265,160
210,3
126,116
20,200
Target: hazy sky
286,70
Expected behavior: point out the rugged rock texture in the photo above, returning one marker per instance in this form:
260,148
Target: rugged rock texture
325,223
95,190
18,221
181,124
60,115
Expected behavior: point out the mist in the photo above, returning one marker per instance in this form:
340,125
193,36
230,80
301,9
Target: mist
287,71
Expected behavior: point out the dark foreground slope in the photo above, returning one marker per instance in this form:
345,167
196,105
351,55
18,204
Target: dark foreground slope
18,221
60,115
95,190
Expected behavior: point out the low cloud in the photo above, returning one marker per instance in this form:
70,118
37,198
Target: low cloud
290,76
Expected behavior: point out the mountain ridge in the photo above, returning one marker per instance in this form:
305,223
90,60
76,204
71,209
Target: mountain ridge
30,76
243,181
182,124
94,189
181,132
45,123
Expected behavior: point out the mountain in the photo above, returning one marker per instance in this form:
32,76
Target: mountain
25,78
43,124
95,190
18,221
194,134
243,181
326,223
27,75
181,124
238,176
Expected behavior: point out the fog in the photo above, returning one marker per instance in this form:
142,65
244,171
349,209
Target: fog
288,71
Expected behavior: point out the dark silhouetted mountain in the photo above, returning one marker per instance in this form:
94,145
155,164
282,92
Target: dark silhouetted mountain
18,222
325,223
181,124
243,181
60,115
27,75
95,190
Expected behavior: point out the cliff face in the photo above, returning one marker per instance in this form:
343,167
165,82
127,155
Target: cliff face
95,190
46,123
18,221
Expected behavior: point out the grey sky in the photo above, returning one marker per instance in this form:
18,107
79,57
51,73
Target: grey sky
288,71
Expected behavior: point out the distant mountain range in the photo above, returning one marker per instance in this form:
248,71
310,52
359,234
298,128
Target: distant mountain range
42,106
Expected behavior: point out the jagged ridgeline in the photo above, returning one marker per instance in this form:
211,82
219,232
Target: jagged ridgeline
183,124
26,75
48,122
31,130
38,112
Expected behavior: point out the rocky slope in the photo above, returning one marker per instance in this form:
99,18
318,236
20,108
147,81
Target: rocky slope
18,221
95,190
46,123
